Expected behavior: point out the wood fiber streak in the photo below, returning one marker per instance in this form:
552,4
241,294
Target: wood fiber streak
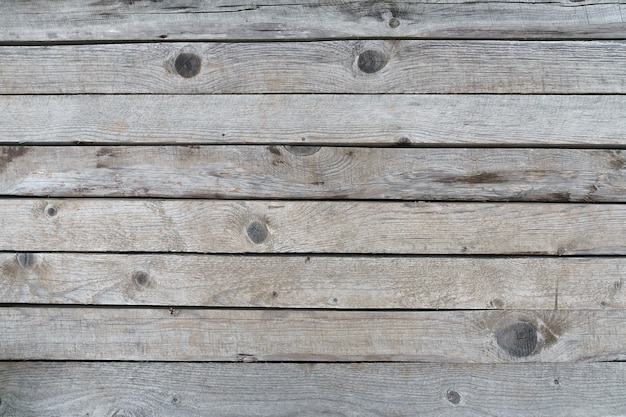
287,172
334,390
75,20
311,335
459,120
312,281
324,227
495,67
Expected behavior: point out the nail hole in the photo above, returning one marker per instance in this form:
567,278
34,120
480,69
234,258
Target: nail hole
51,211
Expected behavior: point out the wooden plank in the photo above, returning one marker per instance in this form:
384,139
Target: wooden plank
313,281
75,20
57,333
372,66
304,226
465,120
297,172
338,390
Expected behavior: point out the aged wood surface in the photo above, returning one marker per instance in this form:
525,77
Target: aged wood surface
307,172
461,120
313,281
368,66
306,226
334,390
75,20
172,334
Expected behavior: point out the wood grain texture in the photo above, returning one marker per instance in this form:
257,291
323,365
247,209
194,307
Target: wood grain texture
306,172
75,20
325,227
311,335
313,281
460,120
334,390
500,67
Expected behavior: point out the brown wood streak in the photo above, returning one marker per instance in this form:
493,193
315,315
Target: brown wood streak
292,172
411,66
309,19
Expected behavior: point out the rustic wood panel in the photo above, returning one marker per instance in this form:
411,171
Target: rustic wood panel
75,20
318,67
311,335
338,390
299,172
304,226
313,281
466,120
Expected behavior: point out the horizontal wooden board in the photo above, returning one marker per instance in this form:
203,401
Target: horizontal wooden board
334,390
308,172
460,120
368,66
61,333
313,281
305,226
75,20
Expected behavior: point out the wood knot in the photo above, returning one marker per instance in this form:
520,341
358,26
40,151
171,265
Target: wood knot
302,150
371,61
518,339
257,232
453,397
188,64
26,260
394,23
141,278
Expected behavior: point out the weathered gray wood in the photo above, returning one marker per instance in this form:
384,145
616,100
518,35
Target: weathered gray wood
311,335
313,281
236,172
338,390
76,20
304,226
372,66
529,120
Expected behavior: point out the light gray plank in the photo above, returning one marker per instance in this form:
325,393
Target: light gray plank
75,20
304,226
368,66
297,172
527,120
38,333
337,390
313,281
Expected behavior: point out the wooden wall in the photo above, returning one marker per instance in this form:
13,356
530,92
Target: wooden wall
306,208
